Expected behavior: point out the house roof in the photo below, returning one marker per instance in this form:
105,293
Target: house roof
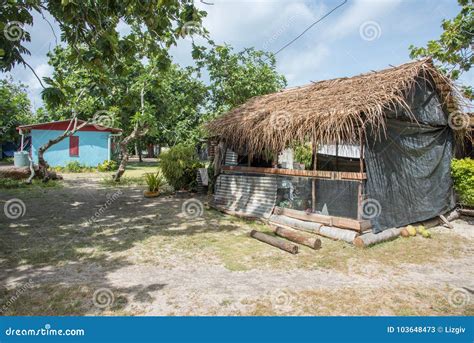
62,125
327,111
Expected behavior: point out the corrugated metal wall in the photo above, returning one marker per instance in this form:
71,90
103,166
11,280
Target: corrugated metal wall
248,195
231,158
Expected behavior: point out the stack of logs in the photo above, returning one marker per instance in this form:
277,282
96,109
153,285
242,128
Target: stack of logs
291,236
297,227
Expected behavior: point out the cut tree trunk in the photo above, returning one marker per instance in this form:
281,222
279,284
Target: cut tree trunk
370,238
276,242
466,212
297,237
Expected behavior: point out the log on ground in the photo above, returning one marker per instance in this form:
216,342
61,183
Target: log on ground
453,215
276,242
370,238
312,227
466,212
16,173
297,237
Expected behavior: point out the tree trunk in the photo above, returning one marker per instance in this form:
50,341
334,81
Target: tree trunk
137,132
43,166
139,147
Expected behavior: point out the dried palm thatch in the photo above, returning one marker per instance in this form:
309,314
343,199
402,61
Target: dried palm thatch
329,111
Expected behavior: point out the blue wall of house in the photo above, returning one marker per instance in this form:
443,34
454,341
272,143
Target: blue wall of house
93,147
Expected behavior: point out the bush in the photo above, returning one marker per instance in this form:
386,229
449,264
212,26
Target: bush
179,165
462,172
108,165
304,154
74,167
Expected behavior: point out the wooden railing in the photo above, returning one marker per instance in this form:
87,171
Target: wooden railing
318,174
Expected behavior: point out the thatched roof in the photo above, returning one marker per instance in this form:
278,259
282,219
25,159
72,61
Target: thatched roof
327,111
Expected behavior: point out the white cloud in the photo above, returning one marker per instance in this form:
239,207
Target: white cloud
301,67
358,12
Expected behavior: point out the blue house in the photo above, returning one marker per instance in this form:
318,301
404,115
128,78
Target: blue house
90,146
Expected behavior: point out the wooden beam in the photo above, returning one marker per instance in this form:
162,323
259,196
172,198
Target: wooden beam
276,242
360,189
343,223
297,237
318,174
315,167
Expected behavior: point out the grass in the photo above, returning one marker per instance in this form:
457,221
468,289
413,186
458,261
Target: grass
225,240
124,181
361,301
78,299
7,183
62,300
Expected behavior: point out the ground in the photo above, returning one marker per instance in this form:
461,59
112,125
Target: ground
87,247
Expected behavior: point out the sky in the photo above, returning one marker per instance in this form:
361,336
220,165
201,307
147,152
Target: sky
361,36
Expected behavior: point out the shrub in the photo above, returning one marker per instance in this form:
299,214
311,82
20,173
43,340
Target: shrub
462,172
74,167
154,181
179,165
304,154
108,165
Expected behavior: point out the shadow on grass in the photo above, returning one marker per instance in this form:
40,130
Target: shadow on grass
54,244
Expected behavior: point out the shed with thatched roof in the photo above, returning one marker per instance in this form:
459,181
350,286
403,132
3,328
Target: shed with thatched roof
398,127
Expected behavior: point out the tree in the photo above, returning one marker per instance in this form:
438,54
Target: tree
454,49
236,77
90,30
90,27
15,109
146,102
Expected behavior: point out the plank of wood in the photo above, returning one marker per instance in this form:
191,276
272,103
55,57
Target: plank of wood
319,174
276,242
297,237
368,239
343,223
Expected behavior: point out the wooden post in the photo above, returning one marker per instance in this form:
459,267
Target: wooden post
360,191
276,242
297,237
313,182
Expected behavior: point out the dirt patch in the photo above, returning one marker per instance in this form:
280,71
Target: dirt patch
154,258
